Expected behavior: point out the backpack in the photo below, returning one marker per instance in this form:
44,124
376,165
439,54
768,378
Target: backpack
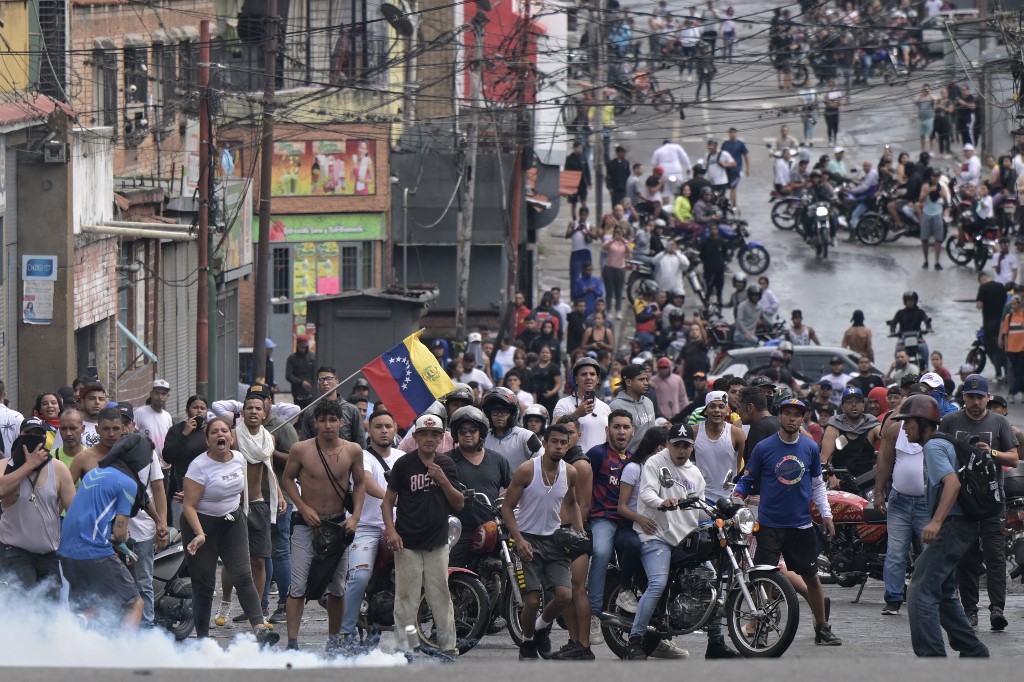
981,496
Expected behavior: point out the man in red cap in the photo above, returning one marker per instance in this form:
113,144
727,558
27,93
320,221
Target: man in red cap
300,371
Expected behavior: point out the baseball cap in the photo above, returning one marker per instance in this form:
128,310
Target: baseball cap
127,411
760,381
474,337
162,383
933,380
976,385
261,390
716,396
428,422
664,362
777,355
968,147
911,379
88,387
659,169
792,402
269,343
302,338
997,400
33,423
834,359
852,393
681,433
825,383
838,150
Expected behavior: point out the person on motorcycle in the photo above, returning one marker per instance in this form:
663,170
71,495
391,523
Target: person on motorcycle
819,191
862,194
674,162
705,212
480,469
535,419
748,316
911,319
698,182
460,396
647,313
934,386
837,166
674,303
860,432
512,442
788,468
783,172
739,292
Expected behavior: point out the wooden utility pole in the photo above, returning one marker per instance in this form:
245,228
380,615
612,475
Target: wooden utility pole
262,294
597,35
202,287
464,236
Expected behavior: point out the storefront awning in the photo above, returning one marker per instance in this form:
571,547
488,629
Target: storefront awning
569,182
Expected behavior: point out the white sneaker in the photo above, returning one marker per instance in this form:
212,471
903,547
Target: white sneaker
596,636
666,649
626,601
618,315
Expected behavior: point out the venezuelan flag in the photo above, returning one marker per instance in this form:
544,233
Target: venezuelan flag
408,379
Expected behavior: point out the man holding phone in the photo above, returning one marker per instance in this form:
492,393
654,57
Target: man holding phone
584,404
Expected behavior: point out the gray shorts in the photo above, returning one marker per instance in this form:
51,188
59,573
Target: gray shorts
302,557
259,529
105,583
932,227
549,566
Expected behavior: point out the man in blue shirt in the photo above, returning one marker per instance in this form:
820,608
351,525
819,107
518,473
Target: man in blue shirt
588,287
737,149
788,467
933,602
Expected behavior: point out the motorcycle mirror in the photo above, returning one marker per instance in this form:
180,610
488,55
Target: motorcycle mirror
665,478
727,479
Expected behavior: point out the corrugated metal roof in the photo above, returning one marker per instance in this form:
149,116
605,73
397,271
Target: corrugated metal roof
31,109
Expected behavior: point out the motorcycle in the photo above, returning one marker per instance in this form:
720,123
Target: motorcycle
821,233
911,341
640,270
172,589
1013,487
877,226
643,88
469,599
759,603
976,356
977,246
786,210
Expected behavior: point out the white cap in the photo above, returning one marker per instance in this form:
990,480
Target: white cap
968,147
161,383
716,396
428,422
475,337
838,150
932,379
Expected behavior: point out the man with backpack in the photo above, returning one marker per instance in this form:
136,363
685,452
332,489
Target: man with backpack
994,435
933,603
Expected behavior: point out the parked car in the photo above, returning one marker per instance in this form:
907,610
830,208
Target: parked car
809,361
934,34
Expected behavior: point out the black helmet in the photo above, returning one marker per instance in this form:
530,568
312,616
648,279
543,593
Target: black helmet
699,169
676,314
648,288
462,392
438,410
919,406
471,414
500,397
753,290
586,361
911,295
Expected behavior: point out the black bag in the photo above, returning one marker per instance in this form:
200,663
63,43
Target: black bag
980,494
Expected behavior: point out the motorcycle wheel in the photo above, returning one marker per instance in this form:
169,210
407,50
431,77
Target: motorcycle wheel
981,256
616,639
823,238
663,101
510,612
957,251
472,612
800,75
754,259
976,357
784,215
775,595
182,629
872,229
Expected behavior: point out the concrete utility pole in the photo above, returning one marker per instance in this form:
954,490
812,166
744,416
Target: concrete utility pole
464,236
262,295
597,38
202,288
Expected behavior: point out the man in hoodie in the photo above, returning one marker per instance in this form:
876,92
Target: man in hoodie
633,399
859,433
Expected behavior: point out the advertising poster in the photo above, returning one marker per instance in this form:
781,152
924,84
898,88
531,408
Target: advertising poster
338,227
304,270
238,213
37,302
328,279
329,167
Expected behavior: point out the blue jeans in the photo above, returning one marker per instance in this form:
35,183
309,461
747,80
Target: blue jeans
627,545
603,531
280,563
907,517
144,577
656,557
860,209
933,603
361,555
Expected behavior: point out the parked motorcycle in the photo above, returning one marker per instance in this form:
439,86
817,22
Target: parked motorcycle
469,599
1013,487
976,247
976,356
758,602
172,589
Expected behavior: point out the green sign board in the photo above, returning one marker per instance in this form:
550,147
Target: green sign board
335,227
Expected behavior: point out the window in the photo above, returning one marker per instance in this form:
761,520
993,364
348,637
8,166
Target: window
165,71
188,64
136,76
105,71
281,264
349,268
53,57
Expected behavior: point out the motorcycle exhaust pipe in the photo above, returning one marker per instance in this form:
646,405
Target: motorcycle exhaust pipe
616,621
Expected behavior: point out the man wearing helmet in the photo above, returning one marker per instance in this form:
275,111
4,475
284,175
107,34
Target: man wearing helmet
861,432
584,403
512,442
933,602
481,470
444,408
704,210
535,419
911,318
748,316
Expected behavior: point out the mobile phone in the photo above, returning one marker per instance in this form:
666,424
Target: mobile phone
200,420
589,395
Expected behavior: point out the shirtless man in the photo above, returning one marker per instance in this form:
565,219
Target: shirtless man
109,429
322,467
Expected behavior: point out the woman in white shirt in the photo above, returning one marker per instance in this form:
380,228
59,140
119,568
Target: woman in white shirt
214,526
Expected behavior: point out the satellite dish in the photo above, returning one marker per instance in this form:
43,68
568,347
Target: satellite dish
398,20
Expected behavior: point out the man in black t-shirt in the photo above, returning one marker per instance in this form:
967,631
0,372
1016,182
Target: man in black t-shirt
424,482
991,300
865,380
753,411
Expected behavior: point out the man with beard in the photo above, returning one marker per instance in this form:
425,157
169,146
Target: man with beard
788,468
93,399
850,437
300,371
865,379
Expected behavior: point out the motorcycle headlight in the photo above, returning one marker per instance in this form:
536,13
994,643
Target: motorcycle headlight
745,521
821,211
454,531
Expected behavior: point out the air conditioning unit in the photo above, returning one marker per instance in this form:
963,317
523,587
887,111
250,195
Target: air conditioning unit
55,151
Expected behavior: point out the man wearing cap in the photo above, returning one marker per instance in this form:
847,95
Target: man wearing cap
934,386
92,398
424,484
719,445
153,421
837,378
859,430
633,399
361,389
788,468
470,372
618,172
837,166
994,435
970,171
300,371
668,387
674,163
10,423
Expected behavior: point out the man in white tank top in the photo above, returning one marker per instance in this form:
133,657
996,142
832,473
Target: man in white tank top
902,463
539,487
719,446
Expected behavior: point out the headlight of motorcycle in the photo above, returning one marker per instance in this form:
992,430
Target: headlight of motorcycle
745,521
454,531
821,211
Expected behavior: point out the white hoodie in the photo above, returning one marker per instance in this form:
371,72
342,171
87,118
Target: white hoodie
673,526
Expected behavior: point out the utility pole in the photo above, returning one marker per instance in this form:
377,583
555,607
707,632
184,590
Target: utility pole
202,287
597,36
464,236
262,294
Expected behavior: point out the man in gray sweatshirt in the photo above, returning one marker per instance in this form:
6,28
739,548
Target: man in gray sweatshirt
633,399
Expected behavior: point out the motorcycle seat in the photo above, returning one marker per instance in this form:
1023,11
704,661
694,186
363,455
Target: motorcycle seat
872,515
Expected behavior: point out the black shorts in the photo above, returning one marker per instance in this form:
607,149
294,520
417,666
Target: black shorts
105,581
260,544
798,546
549,566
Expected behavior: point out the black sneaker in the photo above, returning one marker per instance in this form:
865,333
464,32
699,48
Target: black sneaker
280,615
823,635
719,650
891,609
636,652
577,653
528,650
542,638
267,638
972,618
566,648
997,620
240,618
